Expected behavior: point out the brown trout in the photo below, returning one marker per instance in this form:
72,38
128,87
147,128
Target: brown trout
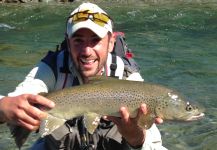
104,97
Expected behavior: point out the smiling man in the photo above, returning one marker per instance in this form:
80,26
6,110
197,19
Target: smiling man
89,52
89,41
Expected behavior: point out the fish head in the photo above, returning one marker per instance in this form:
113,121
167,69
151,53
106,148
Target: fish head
174,107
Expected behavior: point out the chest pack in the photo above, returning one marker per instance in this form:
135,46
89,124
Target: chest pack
120,49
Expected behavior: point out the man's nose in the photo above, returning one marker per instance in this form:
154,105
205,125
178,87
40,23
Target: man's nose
86,49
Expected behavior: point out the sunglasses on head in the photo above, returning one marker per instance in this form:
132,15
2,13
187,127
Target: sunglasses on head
98,18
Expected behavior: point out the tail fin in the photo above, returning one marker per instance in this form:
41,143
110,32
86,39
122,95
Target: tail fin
19,134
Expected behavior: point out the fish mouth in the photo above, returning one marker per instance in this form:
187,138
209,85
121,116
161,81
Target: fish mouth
196,117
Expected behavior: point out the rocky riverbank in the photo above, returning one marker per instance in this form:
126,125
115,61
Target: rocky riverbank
34,1
124,1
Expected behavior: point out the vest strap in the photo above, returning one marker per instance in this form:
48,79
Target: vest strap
113,65
65,67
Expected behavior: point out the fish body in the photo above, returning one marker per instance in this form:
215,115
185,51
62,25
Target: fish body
105,96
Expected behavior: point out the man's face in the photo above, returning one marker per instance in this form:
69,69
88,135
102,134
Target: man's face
89,52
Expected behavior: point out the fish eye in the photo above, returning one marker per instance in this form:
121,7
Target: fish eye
189,107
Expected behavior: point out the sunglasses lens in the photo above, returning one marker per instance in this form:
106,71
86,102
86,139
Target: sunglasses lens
79,17
98,18
102,17
83,15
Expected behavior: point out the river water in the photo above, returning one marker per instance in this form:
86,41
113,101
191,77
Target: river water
175,44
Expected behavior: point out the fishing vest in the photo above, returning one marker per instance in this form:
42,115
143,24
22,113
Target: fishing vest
73,135
59,62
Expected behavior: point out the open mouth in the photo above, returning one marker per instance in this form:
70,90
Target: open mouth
196,117
87,61
87,64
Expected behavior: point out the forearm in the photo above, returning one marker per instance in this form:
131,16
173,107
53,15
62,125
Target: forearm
150,146
35,82
137,142
152,140
39,80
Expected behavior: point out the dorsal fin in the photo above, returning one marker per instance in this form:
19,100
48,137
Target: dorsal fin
100,79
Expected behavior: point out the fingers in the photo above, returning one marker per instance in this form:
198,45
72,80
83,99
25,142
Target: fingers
34,112
32,116
42,103
27,108
22,110
141,111
124,114
27,121
27,125
37,99
158,120
27,114
128,127
124,117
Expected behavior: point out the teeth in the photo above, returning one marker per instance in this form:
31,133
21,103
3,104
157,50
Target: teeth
86,61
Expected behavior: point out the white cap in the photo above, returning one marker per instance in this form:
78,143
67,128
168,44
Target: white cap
89,24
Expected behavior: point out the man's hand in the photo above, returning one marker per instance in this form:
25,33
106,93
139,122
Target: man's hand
21,110
128,127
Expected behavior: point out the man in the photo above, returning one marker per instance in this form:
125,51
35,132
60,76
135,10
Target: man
90,40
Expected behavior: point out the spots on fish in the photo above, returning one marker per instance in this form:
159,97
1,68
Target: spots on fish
110,96
105,98
162,105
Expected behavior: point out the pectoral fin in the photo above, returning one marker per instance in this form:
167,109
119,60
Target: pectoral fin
91,121
49,124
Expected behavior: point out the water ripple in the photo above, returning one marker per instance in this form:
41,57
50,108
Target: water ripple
4,25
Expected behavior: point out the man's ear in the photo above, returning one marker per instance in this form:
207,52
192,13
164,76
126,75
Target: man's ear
111,42
67,42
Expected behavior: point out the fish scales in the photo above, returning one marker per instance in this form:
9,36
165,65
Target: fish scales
104,97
